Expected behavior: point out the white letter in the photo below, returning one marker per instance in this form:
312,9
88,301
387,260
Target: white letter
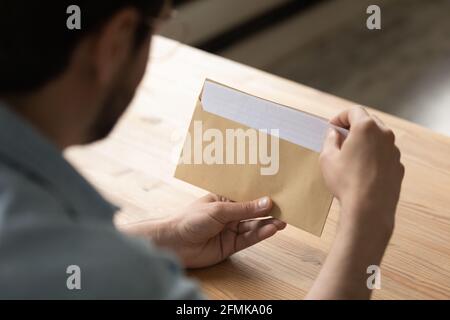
264,158
206,312
74,280
216,147
198,142
374,21
374,281
186,153
74,21
241,137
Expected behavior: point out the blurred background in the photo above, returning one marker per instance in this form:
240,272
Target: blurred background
402,69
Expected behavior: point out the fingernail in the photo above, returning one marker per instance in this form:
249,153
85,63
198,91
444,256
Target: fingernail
263,203
331,132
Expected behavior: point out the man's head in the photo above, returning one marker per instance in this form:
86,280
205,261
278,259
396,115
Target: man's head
92,73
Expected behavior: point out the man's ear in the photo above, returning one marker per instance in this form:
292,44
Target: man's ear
114,43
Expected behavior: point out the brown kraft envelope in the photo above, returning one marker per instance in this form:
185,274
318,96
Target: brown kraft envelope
298,190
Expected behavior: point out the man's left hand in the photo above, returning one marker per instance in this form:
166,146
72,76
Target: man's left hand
211,229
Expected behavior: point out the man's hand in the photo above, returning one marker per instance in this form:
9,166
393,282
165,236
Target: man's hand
364,172
212,229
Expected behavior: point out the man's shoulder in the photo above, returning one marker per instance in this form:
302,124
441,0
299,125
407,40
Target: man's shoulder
19,192
45,261
41,247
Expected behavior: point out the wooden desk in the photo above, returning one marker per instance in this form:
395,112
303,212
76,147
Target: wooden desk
134,169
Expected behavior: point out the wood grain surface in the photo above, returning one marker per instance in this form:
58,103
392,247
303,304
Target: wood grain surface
134,169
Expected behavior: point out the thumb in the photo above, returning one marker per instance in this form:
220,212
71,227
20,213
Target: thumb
332,142
226,212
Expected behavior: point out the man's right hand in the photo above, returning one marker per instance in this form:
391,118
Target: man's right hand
363,172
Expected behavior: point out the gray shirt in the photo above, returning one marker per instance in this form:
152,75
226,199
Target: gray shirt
57,237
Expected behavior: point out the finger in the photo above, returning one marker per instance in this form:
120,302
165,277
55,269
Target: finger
250,238
397,154
389,134
246,226
379,122
349,116
226,212
212,197
224,199
332,142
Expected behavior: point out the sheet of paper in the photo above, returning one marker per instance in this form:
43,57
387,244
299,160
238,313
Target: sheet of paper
294,126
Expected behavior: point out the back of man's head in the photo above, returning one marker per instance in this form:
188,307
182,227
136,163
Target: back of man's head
36,44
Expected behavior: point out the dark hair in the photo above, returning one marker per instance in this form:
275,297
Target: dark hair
36,45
